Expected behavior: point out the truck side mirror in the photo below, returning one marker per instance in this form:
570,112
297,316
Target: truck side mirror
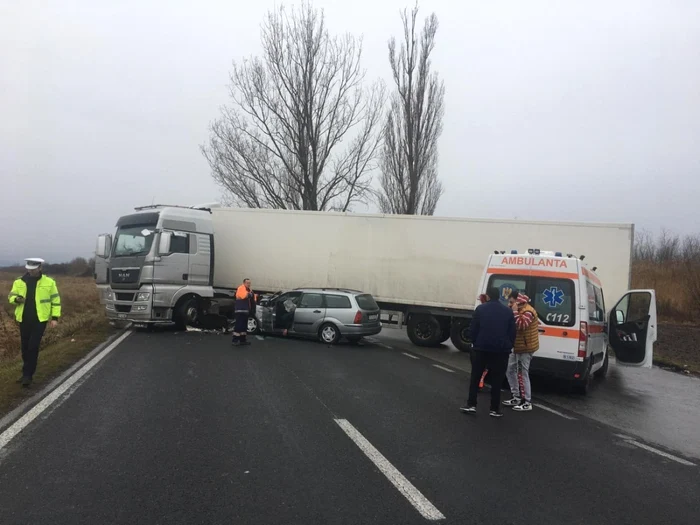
104,246
164,243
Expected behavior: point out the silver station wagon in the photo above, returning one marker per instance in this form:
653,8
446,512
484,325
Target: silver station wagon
326,314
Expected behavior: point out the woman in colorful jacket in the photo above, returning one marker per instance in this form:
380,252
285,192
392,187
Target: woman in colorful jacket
527,342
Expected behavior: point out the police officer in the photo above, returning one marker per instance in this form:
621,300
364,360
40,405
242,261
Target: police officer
37,303
245,303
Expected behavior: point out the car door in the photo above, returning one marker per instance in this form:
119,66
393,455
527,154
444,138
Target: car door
310,313
269,311
632,328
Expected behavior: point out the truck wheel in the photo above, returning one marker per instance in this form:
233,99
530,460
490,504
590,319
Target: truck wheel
445,326
186,313
459,334
329,334
424,330
603,370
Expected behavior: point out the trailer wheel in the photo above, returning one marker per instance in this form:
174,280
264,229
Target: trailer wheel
445,326
424,330
460,336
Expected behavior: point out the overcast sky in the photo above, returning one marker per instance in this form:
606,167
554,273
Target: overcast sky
555,110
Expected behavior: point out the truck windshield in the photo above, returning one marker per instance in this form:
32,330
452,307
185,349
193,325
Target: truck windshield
133,240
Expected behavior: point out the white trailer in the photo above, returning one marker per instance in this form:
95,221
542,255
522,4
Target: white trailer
422,267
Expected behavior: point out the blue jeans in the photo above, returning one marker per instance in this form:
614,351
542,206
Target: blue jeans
518,374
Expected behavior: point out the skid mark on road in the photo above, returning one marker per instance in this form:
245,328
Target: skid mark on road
631,441
56,394
405,487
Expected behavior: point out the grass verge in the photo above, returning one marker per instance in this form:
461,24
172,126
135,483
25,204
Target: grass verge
53,360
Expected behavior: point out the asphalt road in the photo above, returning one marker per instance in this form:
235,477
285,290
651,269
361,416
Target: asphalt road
657,405
181,428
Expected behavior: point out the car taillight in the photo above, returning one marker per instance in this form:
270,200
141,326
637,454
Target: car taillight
583,340
358,317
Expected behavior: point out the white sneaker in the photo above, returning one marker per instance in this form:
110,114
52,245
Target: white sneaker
525,406
513,402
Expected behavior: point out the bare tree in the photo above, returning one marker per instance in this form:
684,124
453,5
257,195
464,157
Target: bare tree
301,132
409,162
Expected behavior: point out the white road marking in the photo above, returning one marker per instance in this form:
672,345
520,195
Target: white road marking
655,450
410,355
444,368
560,414
259,338
64,387
405,487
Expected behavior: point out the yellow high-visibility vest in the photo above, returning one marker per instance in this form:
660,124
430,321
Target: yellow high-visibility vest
48,301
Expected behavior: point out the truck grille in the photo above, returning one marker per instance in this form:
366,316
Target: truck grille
123,308
125,276
124,296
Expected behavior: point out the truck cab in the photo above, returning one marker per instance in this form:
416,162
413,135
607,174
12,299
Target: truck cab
575,332
158,266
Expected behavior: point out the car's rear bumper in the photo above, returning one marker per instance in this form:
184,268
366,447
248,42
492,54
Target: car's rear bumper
360,330
559,368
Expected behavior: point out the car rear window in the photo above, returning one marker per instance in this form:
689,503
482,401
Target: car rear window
366,302
337,301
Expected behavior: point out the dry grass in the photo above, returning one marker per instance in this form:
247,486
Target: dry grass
81,310
677,286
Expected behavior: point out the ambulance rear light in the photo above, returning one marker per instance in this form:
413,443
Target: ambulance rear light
583,340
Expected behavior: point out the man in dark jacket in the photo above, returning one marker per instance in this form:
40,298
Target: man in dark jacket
493,337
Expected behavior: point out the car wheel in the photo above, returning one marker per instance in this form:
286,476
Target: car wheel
460,336
424,330
329,334
603,370
253,325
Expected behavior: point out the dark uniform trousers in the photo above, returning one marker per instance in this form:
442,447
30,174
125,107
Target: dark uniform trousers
31,333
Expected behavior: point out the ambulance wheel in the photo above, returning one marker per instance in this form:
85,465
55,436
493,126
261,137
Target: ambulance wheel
424,330
603,370
583,386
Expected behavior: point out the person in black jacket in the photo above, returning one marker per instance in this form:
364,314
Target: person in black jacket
493,336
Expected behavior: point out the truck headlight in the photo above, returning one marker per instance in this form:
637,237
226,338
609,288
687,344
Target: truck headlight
140,307
109,295
110,307
143,296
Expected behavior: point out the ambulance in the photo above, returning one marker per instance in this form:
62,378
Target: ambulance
576,330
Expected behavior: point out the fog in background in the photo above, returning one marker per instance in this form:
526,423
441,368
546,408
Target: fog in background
585,111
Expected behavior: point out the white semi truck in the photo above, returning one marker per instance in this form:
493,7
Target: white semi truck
180,264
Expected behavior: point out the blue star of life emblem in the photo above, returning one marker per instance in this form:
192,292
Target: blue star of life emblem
553,297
